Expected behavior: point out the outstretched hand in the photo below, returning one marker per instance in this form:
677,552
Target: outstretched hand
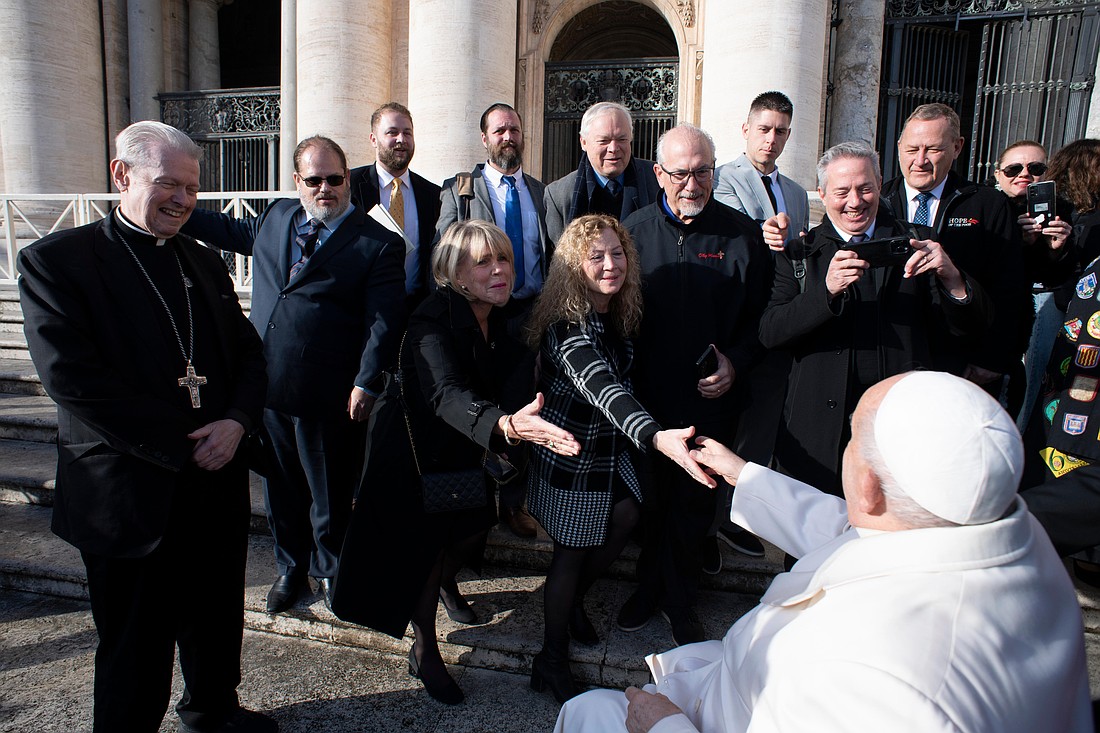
719,459
673,443
526,424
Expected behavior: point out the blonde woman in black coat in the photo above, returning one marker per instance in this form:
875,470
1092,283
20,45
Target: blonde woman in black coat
583,323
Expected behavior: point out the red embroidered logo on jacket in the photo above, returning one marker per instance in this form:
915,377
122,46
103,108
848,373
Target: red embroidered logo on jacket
712,255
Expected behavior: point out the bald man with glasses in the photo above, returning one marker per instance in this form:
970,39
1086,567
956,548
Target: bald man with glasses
328,299
706,276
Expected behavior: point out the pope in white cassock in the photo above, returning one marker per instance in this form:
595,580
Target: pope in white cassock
930,600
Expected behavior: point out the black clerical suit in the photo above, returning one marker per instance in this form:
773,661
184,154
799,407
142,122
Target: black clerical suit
334,325
364,189
163,541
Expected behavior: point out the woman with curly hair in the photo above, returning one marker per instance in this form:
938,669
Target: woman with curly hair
588,312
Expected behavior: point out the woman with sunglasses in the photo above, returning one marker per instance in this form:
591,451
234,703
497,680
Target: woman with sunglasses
1022,163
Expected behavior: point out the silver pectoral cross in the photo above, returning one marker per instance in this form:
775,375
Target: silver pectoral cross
192,382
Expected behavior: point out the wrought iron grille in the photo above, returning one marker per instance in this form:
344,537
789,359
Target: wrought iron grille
1011,71
647,87
238,130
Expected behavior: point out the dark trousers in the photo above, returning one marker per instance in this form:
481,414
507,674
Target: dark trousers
1068,508
188,592
677,515
309,490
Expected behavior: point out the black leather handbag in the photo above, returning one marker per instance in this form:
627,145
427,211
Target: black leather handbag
442,491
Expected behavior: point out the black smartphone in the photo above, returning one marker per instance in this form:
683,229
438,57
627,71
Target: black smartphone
1041,200
882,252
499,468
707,364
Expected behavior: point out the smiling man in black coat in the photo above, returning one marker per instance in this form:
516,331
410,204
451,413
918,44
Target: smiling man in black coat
138,336
848,325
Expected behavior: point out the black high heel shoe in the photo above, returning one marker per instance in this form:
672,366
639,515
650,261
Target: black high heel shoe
553,674
446,691
457,607
581,628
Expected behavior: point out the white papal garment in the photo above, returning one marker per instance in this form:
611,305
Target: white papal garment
973,628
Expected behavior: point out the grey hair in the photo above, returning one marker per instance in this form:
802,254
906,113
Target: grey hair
847,150
695,132
137,145
604,108
900,505
463,240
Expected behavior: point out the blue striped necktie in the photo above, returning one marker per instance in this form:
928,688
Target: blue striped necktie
307,243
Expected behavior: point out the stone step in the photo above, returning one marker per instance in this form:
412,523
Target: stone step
28,417
14,346
508,600
27,471
18,376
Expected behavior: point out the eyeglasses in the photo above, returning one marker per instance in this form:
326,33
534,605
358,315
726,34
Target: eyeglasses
1034,168
702,175
315,181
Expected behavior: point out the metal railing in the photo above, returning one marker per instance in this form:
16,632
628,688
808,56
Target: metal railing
26,218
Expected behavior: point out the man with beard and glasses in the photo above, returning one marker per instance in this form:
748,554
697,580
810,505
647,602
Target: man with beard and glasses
706,274
413,201
328,300
500,192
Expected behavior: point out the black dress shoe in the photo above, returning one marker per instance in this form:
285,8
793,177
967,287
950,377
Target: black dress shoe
457,607
553,674
581,628
284,592
686,627
242,721
636,612
324,587
519,521
442,688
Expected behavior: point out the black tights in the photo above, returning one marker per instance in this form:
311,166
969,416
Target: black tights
447,564
573,571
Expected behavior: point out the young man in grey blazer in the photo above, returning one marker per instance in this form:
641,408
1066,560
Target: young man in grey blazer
753,184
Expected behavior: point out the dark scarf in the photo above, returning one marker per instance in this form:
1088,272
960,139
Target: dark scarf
587,186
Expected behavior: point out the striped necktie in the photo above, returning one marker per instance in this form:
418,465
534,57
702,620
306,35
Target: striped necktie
307,243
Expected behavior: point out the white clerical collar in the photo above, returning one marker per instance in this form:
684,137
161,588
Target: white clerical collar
136,228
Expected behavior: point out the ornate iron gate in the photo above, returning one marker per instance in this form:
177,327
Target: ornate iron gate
1011,72
238,130
648,88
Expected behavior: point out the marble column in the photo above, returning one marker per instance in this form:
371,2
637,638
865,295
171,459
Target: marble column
204,56
462,58
857,59
117,65
52,119
288,94
751,48
343,70
145,29
177,45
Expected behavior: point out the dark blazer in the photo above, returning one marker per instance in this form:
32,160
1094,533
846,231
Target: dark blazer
111,366
564,200
338,323
364,189
976,227
819,331
481,207
457,386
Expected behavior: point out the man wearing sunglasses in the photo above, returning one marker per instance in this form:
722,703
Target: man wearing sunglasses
328,299
706,277
977,229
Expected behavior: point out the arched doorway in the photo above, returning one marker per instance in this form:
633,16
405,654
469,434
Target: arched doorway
637,66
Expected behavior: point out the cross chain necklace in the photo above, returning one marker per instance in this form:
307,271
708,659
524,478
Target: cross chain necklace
190,380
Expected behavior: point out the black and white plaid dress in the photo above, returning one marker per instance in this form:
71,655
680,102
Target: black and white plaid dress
587,390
